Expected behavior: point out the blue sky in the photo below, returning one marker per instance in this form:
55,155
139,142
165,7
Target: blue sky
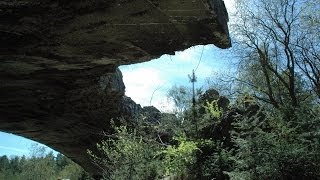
161,74
13,145
143,79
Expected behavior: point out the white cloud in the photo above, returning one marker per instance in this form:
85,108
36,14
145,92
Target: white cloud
187,55
14,149
230,6
190,55
148,83
141,80
148,86
161,102
140,83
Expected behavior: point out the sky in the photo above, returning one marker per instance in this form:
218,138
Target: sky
148,83
12,145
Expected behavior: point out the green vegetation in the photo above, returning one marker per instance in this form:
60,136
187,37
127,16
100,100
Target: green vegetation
271,129
40,166
245,141
130,155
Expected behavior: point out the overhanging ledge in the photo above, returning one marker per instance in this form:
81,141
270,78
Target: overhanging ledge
59,83
98,32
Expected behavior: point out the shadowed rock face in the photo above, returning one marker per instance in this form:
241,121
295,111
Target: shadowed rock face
59,83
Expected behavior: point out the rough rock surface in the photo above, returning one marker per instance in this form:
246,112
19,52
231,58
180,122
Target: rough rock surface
59,83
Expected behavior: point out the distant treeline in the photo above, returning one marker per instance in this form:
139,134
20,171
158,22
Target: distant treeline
40,166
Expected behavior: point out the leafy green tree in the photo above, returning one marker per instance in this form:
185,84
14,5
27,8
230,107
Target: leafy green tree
62,161
242,141
37,168
41,165
5,170
129,155
4,163
178,158
71,171
285,150
22,161
15,164
278,55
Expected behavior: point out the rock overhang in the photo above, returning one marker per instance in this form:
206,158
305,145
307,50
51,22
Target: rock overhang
59,82
91,33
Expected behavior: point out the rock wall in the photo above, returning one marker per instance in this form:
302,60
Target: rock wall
59,83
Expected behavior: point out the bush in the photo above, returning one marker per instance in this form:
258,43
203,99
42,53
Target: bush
288,151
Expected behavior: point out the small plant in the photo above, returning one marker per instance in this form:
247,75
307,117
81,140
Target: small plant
177,158
128,155
213,109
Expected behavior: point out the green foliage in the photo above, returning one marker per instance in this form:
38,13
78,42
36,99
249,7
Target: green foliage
62,161
213,109
4,162
265,144
288,150
271,132
211,160
129,155
178,158
277,44
40,166
72,171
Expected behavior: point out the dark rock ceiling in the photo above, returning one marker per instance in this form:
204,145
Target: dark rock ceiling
59,83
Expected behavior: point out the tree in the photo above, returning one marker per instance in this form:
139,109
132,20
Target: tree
308,48
15,164
71,171
42,165
4,163
62,161
39,168
284,150
233,142
182,98
277,54
129,154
